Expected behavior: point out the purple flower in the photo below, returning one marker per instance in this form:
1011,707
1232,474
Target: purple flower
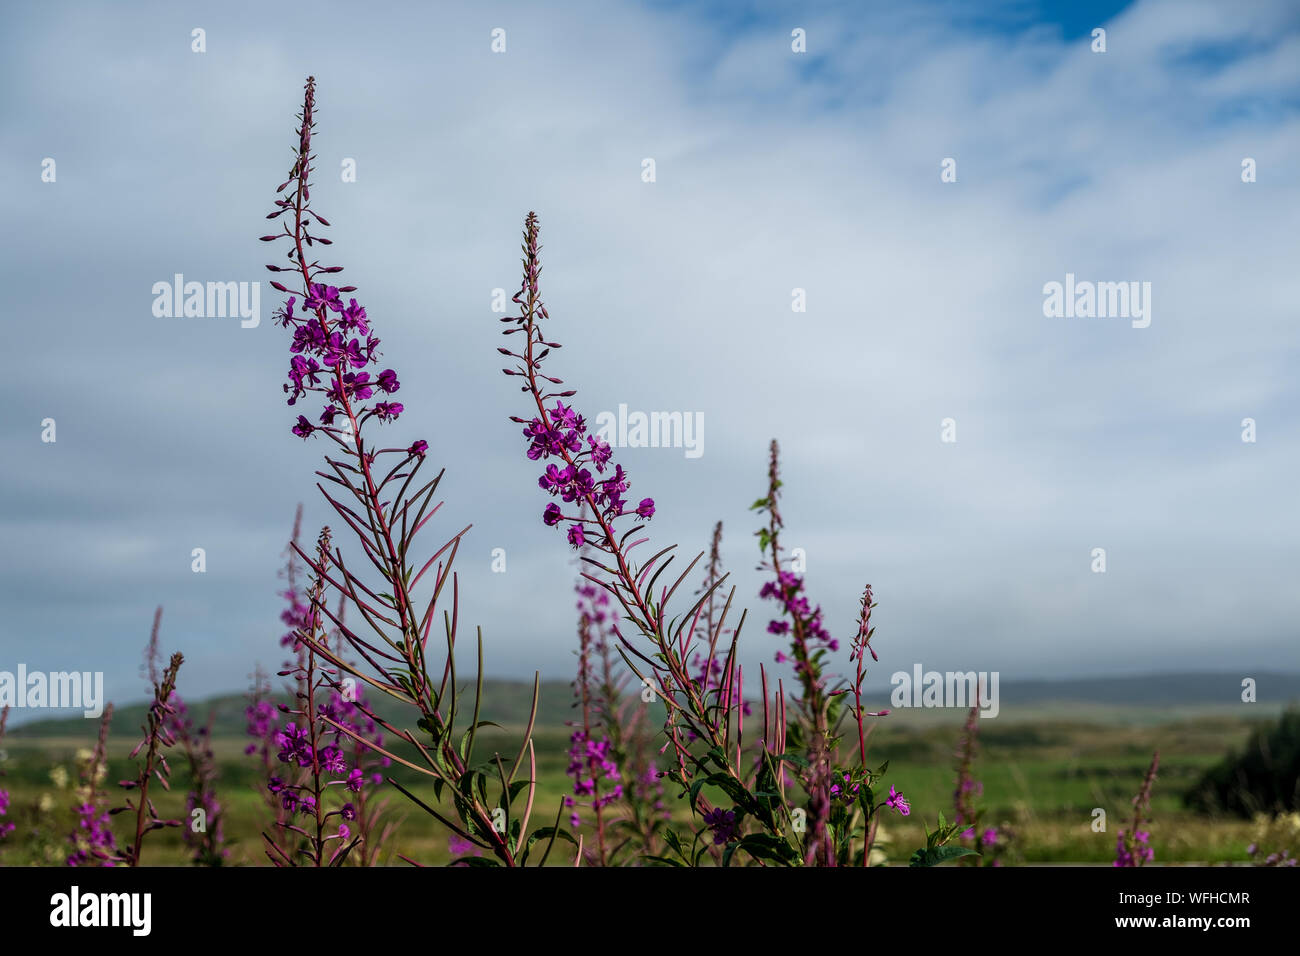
462,847
354,317
848,791
576,537
898,802
418,448
295,745
388,381
646,509
600,452
722,823
333,761
303,428
551,516
555,479
356,779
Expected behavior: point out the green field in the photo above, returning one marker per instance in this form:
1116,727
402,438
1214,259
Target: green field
1043,775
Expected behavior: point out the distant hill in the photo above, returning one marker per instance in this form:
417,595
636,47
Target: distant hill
1154,690
507,702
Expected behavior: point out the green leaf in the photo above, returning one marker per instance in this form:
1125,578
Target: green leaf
674,842
517,786
736,790
765,846
940,854
544,833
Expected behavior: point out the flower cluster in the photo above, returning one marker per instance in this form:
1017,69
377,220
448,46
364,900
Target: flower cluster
261,716
1276,840
320,332
591,753
1133,852
460,847
847,789
1132,847
1284,858
329,756
93,840
560,432
354,714
6,828
722,823
809,632
205,843
591,760
332,341
296,616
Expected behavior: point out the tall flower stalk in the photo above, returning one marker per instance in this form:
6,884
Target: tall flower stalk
842,808
704,720
373,491
809,644
203,834
597,782
314,751
1133,845
6,826
262,715
991,843
93,841
157,740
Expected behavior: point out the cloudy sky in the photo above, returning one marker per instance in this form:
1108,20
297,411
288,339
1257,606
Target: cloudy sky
774,171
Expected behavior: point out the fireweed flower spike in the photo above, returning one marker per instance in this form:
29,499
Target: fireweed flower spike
594,511
309,750
1133,846
597,781
637,794
334,353
6,827
992,844
205,843
834,810
93,842
158,738
809,644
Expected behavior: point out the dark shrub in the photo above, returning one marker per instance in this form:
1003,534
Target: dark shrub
1264,778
